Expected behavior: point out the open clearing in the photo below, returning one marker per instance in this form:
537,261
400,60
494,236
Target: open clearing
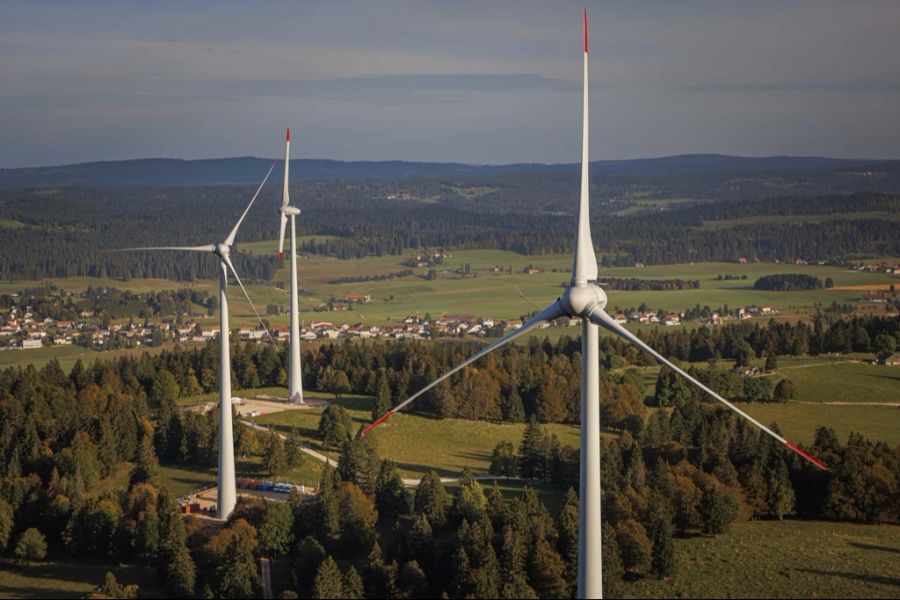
491,294
786,559
70,579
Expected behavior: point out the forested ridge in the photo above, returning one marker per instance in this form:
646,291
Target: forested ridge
62,232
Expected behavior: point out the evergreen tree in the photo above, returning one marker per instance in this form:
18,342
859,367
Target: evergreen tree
660,531
718,509
431,500
382,397
412,582
328,582
469,502
568,534
335,426
780,497
32,546
613,569
276,534
353,584
305,563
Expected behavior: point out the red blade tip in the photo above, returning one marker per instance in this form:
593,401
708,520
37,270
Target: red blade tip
288,138
585,32
380,420
807,456
281,256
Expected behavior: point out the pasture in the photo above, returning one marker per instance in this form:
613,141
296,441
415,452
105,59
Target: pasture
783,559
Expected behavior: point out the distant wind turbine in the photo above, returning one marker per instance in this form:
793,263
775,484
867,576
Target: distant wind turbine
584,298
227,489
295,377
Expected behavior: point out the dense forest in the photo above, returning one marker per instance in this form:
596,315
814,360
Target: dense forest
694,469
60,232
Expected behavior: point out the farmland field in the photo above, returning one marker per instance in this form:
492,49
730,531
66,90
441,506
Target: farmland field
783,559
496,295
71,579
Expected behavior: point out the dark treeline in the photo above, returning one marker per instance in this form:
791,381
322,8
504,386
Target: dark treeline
69,231
787,282
634,284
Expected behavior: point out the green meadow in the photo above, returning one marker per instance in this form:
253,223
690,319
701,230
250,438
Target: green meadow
783,559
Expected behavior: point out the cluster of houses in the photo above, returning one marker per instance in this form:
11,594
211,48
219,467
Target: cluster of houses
880,268
25,329
671,319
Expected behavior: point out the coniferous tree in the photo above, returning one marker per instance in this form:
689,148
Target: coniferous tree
328,582
432,500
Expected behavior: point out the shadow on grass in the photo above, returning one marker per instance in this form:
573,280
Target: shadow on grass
862,546
865,577
42,580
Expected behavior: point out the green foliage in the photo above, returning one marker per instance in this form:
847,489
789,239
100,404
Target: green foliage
672,389
504,462
884,343
784,391
305,562
469,502
335,426
276,535
718,509
6,523
328,582
111,588
32,545
432,500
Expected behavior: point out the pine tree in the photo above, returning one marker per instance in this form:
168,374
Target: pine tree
718,509
660,531
328,582
568,534
353,584
382,397
431,500
613,569
412,582
469,502
276,534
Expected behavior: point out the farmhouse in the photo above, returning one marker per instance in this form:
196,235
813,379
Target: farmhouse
890,360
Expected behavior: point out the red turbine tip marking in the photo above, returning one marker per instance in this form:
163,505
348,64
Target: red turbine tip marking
807,456
380,420
585,32
281,256
288,138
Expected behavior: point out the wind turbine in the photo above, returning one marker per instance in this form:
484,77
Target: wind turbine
585,299
295,377
227,490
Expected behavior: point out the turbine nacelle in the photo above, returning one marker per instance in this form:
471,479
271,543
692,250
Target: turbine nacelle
581,301
289,211
222,250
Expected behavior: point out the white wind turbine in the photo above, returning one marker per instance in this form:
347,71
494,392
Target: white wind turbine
585,299
227,489
295,377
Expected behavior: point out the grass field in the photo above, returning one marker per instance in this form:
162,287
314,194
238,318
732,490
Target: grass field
67,355
419,444
493,294
70,579
788,559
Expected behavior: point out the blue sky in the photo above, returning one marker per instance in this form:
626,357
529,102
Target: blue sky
474,82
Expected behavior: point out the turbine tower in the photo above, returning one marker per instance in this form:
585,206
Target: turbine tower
227,490
295,377
585,299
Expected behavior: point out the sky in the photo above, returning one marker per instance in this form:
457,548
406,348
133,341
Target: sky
473,82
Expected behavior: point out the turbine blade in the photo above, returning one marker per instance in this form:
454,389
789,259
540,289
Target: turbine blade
554,311
584,268
284,221
207,248
247,296
601,318
230,239
285,197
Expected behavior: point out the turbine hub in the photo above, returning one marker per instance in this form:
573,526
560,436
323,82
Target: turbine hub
289,211
580,301
222,250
